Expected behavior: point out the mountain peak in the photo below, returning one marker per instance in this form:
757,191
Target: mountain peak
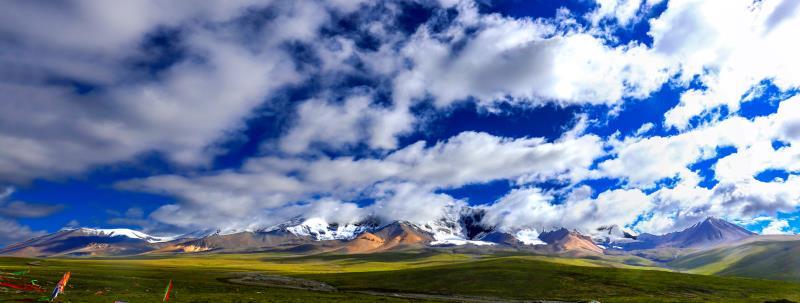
710,232
610,234
713,219
121,232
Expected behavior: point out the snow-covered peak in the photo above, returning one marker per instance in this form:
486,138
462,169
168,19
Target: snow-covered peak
124,232
613,234
452,228
319,229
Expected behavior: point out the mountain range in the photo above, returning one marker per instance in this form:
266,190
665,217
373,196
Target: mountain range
461,228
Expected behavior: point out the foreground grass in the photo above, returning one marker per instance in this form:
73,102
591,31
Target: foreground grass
141,280
202,278
525,278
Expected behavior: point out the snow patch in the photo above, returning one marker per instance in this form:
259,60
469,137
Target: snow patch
613,234
529,237
124,232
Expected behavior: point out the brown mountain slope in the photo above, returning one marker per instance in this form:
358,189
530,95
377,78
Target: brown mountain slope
397,235
563,240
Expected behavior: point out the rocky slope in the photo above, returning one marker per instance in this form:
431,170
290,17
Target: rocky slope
564,240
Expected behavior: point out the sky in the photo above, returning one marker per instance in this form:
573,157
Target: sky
169,117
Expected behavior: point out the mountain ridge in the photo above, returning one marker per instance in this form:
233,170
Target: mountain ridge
705,234
309,235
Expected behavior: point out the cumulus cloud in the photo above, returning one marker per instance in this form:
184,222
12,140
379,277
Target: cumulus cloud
643,161
87,84
684,205
13,231
83,93
623,12
411,202
314,124
21,209
402,182
534,208
528,60
730,46
776,227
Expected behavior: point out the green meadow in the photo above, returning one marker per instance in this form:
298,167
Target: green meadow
386,277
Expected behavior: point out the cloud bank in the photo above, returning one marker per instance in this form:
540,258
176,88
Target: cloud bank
345,85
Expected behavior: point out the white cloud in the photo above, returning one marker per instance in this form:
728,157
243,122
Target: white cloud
402,182
14,232
50,130
644,160
521,59
22,209
738,195
410,202
622,11
533,208
684,205
314,124
730,46
776,227
645,128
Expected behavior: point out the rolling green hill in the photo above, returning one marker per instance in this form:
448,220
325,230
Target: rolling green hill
767,259
529,279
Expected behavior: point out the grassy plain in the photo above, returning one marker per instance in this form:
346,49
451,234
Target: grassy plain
205,278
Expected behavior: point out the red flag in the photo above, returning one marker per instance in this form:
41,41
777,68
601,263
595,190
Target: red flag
26,287
60,286
166,293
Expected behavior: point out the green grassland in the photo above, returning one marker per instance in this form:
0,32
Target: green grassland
360,278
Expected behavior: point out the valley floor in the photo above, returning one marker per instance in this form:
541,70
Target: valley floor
386,277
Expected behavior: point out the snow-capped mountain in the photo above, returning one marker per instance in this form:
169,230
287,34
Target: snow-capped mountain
457,226
124,232
613,234
708,233
86,241
320,230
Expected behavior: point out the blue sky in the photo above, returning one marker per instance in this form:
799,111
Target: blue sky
168,117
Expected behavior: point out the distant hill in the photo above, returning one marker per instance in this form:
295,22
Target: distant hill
768,257
706,234
461,228
86,242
